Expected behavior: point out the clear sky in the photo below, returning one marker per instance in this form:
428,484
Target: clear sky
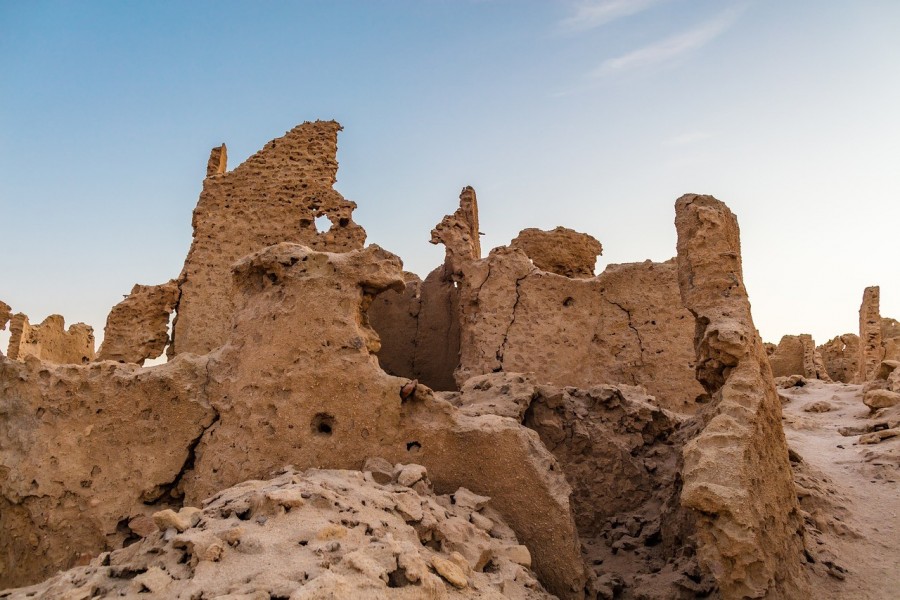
594,115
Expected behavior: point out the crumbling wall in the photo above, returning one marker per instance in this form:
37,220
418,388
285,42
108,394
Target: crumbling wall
561,251
736,478
840,355
274,196
274,409
84,450
50,341
295,383
890,338
137,328
798,355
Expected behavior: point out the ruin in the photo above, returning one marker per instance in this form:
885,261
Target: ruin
798,355
840,355
511,425
50,340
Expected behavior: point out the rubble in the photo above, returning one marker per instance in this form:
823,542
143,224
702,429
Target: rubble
314,534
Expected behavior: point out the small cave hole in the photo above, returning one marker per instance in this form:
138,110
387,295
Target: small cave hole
322,224
323,424
397,578
413,446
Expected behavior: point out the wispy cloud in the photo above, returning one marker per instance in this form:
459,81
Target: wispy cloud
672,47
589,14
688,138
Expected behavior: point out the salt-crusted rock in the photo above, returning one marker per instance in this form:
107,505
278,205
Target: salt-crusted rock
137,328
369,551
819,407
737,477
50,341
561,251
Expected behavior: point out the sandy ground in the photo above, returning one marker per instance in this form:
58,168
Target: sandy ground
851,492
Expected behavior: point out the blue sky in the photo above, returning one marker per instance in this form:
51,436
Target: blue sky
594,115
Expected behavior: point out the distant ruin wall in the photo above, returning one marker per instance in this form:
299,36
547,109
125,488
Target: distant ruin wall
840,356
871,351
50,341
798,355
274,196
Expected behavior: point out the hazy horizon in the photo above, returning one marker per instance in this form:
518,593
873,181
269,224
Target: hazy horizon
590,115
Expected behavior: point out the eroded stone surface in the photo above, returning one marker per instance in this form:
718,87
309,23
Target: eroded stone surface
85,449
871,351
274,196
50,341
315,534
137,328
561,251
459,233
218,161
737,477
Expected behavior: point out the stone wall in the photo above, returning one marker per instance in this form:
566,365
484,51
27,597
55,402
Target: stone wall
840,355
137,328
798,355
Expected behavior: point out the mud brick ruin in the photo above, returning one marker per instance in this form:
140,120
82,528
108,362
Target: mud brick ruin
512,425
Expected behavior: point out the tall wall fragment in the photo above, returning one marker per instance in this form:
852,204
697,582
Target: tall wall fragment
871,350
274,196
50,341
137,328
737,477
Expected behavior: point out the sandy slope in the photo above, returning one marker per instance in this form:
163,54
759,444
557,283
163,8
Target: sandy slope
850,490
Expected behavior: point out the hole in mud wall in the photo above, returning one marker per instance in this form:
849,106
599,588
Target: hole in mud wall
322,224
322,424
569,301
413,446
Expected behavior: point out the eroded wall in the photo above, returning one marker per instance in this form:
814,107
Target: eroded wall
274,196
798,355
840,355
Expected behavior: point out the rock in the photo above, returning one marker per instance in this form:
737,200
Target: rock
382,471
790,381
840,355
797,355
218,161
409,475
877,436
181,521
468,500
153,580
819,407
142,525
876,399
449,571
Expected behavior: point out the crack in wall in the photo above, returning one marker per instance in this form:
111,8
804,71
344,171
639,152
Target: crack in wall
630,326
501,351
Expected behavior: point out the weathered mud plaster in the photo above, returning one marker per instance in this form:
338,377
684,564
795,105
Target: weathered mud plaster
274,196
626,325
736,477
50,341
137,328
